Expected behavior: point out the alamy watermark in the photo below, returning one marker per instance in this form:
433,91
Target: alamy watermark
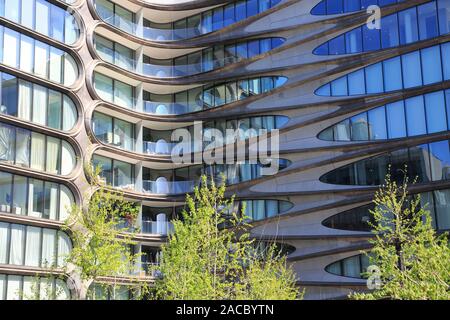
374,20
230,146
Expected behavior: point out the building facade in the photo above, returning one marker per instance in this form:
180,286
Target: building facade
108,81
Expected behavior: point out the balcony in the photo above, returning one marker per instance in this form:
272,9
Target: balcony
162,186
157,227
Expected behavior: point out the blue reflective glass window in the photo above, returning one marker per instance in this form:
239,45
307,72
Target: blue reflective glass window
353,41
322,50
352,5
389,32
276,42
217,19
392,74
228,15
447,103
366,3
445,50
335,6
412,75
252,7
241,10
207,22
371,39
444,16
241,50
356,82
377,124
428,23
374,78
435,111
253,48
264,5
395,113
339,87
415,116
440,160
320,9
337,45
359,127
383,3
324,90
431,65
408,26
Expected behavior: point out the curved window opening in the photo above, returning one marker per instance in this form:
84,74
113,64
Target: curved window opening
35,198
160,142
34,150
43,17
33,246
428,162
114,131
35,57
210,96
424,114
358,219
183,180
418,23
352,267
326,7
18,287
189,27
417,68
38,104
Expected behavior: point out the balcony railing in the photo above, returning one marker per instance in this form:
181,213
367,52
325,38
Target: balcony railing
168,187
157,227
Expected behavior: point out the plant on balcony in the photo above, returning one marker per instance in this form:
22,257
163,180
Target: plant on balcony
205,260
409,261
101,244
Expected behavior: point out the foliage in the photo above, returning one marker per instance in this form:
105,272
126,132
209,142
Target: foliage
413,260
205,260
102,235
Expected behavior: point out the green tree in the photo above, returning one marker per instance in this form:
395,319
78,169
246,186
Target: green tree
210,255
413,261
101,239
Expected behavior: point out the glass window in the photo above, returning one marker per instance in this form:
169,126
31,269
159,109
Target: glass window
57,23
43,12
339,87
374,78
37,151
396,120
435,111
408,26
54,109
371,38
428,23
440,160
412,75
377,124
444,16
431,65
415,116
53,155
392,70
11,41
9,94
359,127
19,205
353,41
5,191
103,86
442,205
389,32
